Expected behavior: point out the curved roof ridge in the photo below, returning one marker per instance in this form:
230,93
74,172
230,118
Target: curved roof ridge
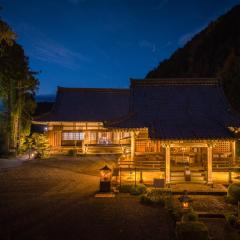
175,81
111,90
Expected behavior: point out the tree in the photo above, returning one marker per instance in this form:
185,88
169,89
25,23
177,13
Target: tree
6,35
37,142
18,85
230,76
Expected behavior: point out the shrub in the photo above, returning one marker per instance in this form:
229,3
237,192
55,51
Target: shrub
159,193
160,197
230,200
169,204
234,192
126,188
132,189
37,142
190,217
156,194
176,214
145,200
191,230
232,220
160,202
138,190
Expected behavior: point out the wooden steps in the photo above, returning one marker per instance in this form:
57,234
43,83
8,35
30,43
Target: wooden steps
104,149
196,177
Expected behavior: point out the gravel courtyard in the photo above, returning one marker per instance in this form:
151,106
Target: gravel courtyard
53,199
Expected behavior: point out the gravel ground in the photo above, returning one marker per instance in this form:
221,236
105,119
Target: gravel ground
53,199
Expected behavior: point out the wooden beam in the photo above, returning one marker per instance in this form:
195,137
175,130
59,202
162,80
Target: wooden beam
234,152
132,145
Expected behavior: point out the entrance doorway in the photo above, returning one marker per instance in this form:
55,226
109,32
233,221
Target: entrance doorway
193,158
188,164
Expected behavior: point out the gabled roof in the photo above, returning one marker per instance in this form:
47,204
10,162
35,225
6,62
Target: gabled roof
43,108
87,104
179,109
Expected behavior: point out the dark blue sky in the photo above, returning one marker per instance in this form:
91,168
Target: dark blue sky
102,43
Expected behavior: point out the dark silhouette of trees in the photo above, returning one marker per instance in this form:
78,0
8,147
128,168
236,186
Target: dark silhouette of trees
18,85
214,52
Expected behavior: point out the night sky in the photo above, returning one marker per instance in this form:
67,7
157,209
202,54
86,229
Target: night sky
102,43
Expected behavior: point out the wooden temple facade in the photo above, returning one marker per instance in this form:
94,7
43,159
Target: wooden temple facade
161,125
76,121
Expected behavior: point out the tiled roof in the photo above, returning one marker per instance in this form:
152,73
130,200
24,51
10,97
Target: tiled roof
88,104
179,109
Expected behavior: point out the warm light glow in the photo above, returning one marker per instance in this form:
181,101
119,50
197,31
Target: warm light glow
185,205
105,174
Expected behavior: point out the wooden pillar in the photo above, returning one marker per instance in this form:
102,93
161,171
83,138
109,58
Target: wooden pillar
83,145
167,165
132,145
97,137
234,152
209,164
155,146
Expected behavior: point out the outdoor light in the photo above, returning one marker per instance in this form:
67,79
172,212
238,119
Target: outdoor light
45,129
105,179
185,200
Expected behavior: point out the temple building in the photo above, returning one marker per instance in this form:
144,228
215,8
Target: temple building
160,125
77,119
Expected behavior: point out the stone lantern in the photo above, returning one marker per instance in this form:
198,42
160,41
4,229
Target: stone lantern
105,179
185,200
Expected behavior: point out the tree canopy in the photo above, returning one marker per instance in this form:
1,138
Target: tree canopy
18,85
214,52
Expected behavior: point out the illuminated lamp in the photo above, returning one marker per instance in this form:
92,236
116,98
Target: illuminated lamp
105,179
185,200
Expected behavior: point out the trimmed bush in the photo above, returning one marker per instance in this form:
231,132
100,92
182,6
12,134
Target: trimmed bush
190,217
138,190
232,220
160,202
126,188
161,197
191,230
145,200
176,214
234,192
230,200
156,194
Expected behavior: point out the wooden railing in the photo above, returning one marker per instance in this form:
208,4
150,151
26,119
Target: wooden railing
223,164
143,162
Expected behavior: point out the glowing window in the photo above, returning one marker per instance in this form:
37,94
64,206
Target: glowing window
93,135
73,136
